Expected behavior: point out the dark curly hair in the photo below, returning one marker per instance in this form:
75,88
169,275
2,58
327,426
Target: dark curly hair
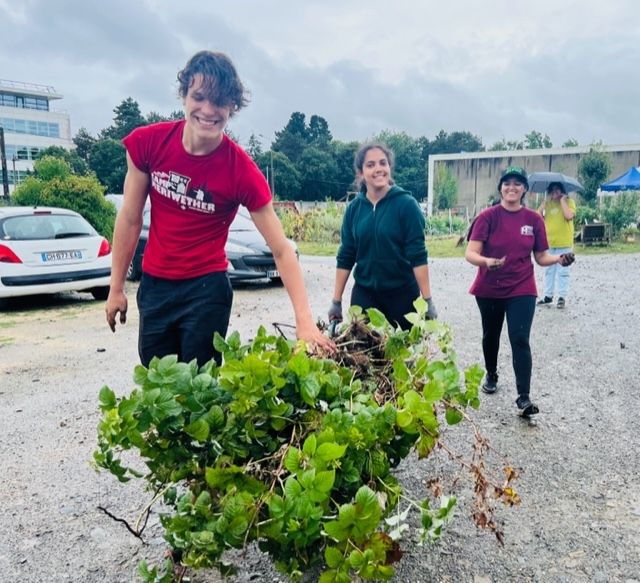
220,82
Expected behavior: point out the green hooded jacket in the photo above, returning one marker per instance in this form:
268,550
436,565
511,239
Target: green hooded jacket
384,242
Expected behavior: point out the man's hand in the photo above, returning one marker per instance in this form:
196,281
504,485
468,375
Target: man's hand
116,302
335,311
567,259
432,313
314,337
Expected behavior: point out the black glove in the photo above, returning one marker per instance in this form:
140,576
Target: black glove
432,313
567,259
335,311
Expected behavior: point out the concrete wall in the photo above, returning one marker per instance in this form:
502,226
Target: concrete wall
477,173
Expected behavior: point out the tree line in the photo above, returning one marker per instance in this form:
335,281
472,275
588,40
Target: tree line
303,162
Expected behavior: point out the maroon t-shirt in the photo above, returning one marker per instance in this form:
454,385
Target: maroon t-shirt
514,235
193,199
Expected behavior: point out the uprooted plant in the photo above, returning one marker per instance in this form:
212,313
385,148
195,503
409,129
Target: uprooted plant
296,451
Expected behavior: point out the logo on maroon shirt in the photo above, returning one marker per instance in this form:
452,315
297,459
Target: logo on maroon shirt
175,186
526,230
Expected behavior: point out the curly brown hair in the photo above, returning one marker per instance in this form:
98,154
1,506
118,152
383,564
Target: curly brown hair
220,82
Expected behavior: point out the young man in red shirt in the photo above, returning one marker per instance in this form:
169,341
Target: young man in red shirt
196,177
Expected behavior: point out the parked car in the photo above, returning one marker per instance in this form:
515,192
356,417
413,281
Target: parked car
249,255
46,250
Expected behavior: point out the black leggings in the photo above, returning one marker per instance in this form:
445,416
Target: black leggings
519,312
394,304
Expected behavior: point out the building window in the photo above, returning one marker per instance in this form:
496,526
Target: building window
36,128
24,101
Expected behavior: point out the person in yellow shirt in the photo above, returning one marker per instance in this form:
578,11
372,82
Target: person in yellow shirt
558,211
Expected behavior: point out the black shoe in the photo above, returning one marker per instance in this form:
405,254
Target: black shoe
544,301
525,407
560,303
490,383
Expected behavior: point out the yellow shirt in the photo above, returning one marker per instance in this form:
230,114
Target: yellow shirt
559,229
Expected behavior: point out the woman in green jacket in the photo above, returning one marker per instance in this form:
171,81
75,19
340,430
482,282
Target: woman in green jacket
382,236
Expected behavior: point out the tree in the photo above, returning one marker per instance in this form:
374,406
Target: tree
83,141
318,134
53,184
570,143
318,172
293,139
445,188
344,154
593,169
71,157
155,117
455,142
286,179
535,141
505,145
127,118
254,147
108,160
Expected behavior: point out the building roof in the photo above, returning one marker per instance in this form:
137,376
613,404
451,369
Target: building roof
32,89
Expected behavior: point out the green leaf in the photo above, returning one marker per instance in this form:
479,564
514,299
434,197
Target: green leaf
377,318
453,416
292,460
107,398
309,446
324,481
333,557
199,430
328,452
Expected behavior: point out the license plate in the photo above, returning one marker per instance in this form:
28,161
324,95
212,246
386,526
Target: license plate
49,256
273,273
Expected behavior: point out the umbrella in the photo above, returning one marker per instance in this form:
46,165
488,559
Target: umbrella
539,181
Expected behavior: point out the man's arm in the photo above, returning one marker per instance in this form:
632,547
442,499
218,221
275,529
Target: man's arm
288,266
125,238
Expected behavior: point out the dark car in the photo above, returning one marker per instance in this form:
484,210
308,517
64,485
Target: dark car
249,255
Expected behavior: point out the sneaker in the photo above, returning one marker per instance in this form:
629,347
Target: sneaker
560,304
490,383
544,301
525,407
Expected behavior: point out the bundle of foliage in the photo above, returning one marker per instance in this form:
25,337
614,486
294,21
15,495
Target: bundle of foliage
621,211
297,451
445,225
55,185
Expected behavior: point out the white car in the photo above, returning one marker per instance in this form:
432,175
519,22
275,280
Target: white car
46,250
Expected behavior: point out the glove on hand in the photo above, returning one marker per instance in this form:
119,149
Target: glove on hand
567,259
432,313
335,311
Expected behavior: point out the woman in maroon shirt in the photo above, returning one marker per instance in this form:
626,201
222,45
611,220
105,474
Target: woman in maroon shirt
501,242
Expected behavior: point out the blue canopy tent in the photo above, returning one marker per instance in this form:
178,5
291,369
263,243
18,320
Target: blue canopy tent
630,180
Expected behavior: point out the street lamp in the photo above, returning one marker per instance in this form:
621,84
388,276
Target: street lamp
15,176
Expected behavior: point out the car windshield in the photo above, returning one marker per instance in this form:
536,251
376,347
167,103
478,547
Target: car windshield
242,223
45,226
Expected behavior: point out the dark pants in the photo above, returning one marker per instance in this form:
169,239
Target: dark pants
181,316
519,312
394,304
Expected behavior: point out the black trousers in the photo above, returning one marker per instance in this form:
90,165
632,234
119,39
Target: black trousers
519,312
393,304
181,316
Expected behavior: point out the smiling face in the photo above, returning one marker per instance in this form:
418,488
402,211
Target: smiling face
376,171
512,191
206,120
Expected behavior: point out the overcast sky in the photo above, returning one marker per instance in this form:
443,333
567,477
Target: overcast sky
497,68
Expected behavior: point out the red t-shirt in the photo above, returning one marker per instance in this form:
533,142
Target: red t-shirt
514,235
193,199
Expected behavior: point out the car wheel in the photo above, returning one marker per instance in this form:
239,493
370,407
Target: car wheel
100,293
134,273
276,281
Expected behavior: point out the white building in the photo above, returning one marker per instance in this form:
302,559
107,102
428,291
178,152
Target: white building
30,125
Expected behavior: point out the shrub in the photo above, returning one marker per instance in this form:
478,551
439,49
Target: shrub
297,451
622,210
54,185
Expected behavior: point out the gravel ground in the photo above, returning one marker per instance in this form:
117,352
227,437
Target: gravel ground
580,478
